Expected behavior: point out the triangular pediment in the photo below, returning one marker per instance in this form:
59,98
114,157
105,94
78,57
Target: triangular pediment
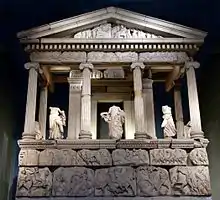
112,22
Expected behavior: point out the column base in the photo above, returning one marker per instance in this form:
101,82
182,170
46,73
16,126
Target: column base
85,135
28,136
142,135
197,134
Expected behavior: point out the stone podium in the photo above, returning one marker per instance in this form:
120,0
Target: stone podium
112,55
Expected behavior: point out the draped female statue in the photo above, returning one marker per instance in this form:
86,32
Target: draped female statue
115,118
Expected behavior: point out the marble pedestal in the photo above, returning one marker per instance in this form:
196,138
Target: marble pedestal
113,170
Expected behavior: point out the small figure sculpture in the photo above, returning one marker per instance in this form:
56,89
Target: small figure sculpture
57,121
168,125
115,118
187,130
37,130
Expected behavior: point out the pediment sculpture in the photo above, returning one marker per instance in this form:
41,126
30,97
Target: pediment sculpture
168,125
57,121
108,30
115,118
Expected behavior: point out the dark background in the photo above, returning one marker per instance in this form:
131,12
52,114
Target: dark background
18,15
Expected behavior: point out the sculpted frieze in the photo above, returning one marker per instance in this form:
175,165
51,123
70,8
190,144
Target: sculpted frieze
168,157
190,181
101,157
177,57
153,181
108,30
34,182
130,157
115,181
73,181
28,157
112,57
199,156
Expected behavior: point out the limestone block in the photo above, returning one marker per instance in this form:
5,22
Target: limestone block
28,157
153,181
112,57
188,181
101,157
177,57
115,181
199,156
58,56
168,157
130,157
33,182
73,181
55,157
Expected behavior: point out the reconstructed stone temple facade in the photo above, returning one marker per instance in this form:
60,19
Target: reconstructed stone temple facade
112,56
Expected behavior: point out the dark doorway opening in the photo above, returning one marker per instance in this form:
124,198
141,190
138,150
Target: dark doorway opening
102,126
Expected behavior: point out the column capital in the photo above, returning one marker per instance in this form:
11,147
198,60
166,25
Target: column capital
85,65
30,65
137,64
193,64
147,83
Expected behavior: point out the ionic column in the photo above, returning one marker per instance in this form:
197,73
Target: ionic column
29,124
74,116
178,111
129,123
193,100
148,98
140,132
43,110
85,132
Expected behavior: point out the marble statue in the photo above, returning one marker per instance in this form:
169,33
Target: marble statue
168,125
187,130
57,121
115,118
37,130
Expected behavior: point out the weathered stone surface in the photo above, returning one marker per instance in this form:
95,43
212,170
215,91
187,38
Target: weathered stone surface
101,157
112,57
58,56
55,157
188,181
168,157
28,157
115,181
130,157
199,156
177,57
34,182
152,181
73,181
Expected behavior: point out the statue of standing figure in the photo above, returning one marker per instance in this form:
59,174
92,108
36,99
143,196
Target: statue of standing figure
57,121
168,125
115,118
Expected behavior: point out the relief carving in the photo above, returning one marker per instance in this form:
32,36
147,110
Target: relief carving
152,181
110,31
168,157
34,182
101,157
199,156
115,181
130,157
176,57
74,181
112,57
190,181
114,73
28,157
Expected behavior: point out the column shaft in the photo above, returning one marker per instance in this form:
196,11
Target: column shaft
178,111
29,124
193,100
43,111
148,97
86,102
129,123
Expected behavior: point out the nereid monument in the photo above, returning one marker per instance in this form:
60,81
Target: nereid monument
112,56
